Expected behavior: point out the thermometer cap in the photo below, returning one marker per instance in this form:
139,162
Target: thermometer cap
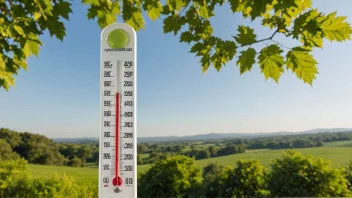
118,38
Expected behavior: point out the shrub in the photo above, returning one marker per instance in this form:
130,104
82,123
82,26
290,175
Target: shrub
296,174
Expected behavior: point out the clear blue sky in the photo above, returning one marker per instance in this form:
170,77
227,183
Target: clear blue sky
59,95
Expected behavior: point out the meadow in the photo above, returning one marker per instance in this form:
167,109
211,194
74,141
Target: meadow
336,152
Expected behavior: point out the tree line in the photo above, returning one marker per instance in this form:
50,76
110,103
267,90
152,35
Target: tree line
216,148
38,149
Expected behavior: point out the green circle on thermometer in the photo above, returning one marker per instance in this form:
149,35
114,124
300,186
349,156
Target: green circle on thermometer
118,39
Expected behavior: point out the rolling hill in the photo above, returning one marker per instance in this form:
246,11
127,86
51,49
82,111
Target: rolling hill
210,136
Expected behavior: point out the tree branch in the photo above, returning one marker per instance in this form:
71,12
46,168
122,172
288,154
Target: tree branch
183,9
261,40
280,44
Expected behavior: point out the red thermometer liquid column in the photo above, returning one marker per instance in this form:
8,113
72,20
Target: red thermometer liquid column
118,153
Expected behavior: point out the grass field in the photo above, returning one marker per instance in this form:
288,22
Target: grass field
339,144
337,152
82,175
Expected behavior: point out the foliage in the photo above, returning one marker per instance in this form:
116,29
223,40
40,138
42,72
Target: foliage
349,174
6,152
10,136
23,22
222,147
78,154
211,180
172,177
247,179
75,162
296,174
38,149
16,181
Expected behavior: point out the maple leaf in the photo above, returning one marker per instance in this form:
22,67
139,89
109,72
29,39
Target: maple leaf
246,35
246,60
302,63
336,28
271,62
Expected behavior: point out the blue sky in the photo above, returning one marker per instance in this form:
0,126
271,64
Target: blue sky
59,94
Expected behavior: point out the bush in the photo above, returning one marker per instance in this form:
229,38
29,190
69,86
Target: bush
16,181
349,175
247,179
172,177
211,180
304,175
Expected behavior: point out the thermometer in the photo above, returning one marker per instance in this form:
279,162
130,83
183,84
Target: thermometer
117,163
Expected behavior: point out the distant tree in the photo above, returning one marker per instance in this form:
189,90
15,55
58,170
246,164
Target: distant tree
178,148
301,175
213,150
141,148
176,176
10,136
38,149
6,152
75,162
203,154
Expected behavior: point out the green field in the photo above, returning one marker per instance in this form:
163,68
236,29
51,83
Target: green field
82,175
339,144
337,152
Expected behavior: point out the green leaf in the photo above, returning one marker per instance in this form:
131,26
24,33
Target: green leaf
307,26
171,24
19,30
136,21
187,37
175,5
197,48
228,49
63,9
246,60
91,2
271,62
55,27
153,8
258,8
235,4
32,45
204,12
302,63
2,62
6,80
205,60
92,12
336,28
246,35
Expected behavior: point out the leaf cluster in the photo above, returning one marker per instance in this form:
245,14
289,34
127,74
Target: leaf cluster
23,21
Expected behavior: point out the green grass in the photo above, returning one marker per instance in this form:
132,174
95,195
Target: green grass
81,175
338,155
144,156
339,144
